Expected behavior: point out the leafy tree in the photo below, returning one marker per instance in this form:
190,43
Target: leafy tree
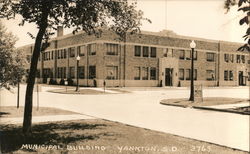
87,15
12,61
243,5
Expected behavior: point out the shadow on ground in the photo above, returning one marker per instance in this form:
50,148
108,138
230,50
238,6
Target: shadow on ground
47,134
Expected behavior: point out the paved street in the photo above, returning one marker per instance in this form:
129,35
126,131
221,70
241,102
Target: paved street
142,109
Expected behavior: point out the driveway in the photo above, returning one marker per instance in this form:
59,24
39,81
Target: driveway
141,108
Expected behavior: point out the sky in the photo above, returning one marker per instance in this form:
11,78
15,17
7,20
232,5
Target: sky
198,18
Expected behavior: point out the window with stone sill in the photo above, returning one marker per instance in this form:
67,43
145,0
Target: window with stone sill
112,49
137,73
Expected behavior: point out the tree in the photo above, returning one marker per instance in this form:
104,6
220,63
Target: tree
243,5
87,15
12,61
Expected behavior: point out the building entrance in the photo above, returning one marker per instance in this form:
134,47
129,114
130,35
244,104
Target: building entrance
241,78
168,76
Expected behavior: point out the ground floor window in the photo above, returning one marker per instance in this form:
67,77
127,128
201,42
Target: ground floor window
188,74
144,73
71,72
248,76
137,73
92,72
61,72
228,75
210,75
231,75
111,72
81,72
181,74
152,73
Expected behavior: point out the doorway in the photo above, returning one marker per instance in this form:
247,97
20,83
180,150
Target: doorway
241,80
168,76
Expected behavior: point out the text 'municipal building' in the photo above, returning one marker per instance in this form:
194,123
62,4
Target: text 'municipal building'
148,59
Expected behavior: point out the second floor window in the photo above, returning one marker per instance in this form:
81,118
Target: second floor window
112,49
80,50
210,57
137,51
92,49
182,54
226,58
153,52
145,52
72,52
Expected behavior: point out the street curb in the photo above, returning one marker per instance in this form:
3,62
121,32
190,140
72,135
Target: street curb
220,110
176,105
206,108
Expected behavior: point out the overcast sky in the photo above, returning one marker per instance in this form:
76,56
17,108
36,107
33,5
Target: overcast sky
198,18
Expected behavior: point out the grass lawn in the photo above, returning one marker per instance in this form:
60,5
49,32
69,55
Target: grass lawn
100,137
210,101
11,111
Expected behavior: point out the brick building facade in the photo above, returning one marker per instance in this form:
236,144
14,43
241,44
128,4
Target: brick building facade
147,59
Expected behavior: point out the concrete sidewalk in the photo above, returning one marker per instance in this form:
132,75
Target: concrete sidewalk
51,118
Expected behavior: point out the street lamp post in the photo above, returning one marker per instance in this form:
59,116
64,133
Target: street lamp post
192,46
77,72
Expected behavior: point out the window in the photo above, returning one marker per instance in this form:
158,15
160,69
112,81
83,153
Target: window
210,56
152,73
165,52
210,75
81,72
243,58
226,75
195,74
182,54
137,51
145,52
231,76
137,73
80,50
52,55
226,58
145,73
92,49
61,72
195,55
112,49
112,72
72,72
232,58
92,72
181,74
62,53
248,76
238,58
38,73
188,74
72,52
248,61
65,53
188,54
153,52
